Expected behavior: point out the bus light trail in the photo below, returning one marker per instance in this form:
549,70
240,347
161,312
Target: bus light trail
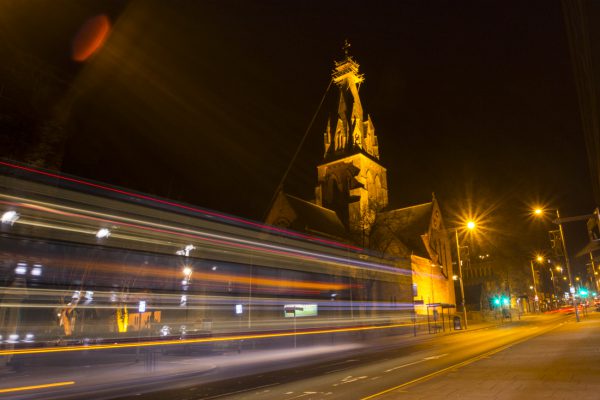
194,341
202,236
224,217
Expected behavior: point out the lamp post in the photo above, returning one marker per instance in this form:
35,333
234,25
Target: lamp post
554,294
539,212
594,274
470,226
460,278
536,298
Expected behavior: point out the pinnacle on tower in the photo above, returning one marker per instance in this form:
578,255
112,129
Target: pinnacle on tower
349,130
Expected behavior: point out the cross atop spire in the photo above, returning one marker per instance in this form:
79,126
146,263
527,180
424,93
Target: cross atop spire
346,70
346,48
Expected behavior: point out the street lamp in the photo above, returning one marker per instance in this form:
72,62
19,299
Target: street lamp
536,298
187,274
539,212
470,226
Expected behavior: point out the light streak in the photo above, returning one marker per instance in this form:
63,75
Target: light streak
34,387
270,282
184,207
166,301
214,239
157,271
195,341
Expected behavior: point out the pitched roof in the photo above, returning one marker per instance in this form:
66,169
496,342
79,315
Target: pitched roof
410,223
311,217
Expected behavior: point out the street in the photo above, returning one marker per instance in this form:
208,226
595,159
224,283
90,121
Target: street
546,357
538,356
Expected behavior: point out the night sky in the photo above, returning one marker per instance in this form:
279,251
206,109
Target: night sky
206,102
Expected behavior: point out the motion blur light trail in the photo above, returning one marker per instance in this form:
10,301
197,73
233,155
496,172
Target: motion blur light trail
34,387
194,341
200,211
117,221
89,267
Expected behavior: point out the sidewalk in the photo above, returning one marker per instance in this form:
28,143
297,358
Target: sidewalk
561,364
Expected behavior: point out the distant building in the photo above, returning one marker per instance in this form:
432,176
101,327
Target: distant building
351,202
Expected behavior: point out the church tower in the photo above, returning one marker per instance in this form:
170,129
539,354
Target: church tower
351,181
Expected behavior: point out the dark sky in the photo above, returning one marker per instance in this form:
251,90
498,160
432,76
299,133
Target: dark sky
206,102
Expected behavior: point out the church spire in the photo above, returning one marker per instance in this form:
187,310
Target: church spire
349,131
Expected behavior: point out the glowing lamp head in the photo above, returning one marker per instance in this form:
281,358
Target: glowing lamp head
471,225
102,233
187,271
539,259
9,217
538,211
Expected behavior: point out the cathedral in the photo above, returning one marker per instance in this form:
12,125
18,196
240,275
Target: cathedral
351,201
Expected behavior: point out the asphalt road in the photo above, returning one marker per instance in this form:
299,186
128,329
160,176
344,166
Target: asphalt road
383,374
424,367
390,375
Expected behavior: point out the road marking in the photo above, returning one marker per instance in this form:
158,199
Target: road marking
436,357
403,365
460,364
241,391
302,395
34,387
350,379
416,362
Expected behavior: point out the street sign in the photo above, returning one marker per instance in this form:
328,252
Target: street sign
300,310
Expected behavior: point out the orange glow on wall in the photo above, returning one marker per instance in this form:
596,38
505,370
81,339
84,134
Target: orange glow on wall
90,38
122,319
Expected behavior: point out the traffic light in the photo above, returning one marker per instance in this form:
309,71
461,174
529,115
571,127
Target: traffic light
593,226
496,301
583,292
505,301
556,243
